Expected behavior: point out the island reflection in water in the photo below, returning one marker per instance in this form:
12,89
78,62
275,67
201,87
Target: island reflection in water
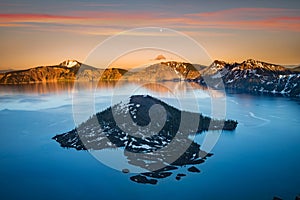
191,157
132,128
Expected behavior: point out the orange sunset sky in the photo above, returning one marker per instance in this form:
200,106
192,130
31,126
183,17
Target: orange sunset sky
35,33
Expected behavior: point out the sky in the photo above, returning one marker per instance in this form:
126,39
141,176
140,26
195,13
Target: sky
35,33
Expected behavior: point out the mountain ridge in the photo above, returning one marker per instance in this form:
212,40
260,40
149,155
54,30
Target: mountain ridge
67,71
250,76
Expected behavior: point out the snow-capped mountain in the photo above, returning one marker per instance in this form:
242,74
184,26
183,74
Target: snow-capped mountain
70,63
66,71
252,76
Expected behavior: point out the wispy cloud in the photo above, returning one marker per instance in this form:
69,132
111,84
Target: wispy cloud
93,22
78,17
246,12
248,19
34,17
85,4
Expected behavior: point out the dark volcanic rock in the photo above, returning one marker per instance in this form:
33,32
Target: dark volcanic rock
101,130
125,171
143,179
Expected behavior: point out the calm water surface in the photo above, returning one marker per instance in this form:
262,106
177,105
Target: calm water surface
259,160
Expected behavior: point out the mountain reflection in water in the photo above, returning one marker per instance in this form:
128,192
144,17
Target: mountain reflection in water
59,87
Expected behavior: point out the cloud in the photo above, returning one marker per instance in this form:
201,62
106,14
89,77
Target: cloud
86,4
160,57
92,22
246,11
26,16
248,19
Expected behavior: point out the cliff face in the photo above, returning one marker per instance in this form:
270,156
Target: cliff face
1,75
39,74
165,71
183,70
67,71
112,74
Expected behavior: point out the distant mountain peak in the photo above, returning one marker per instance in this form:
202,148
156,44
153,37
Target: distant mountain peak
219,62
251,61
246,65
70,63
254,62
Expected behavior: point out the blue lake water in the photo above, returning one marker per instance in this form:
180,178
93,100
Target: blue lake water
259,160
